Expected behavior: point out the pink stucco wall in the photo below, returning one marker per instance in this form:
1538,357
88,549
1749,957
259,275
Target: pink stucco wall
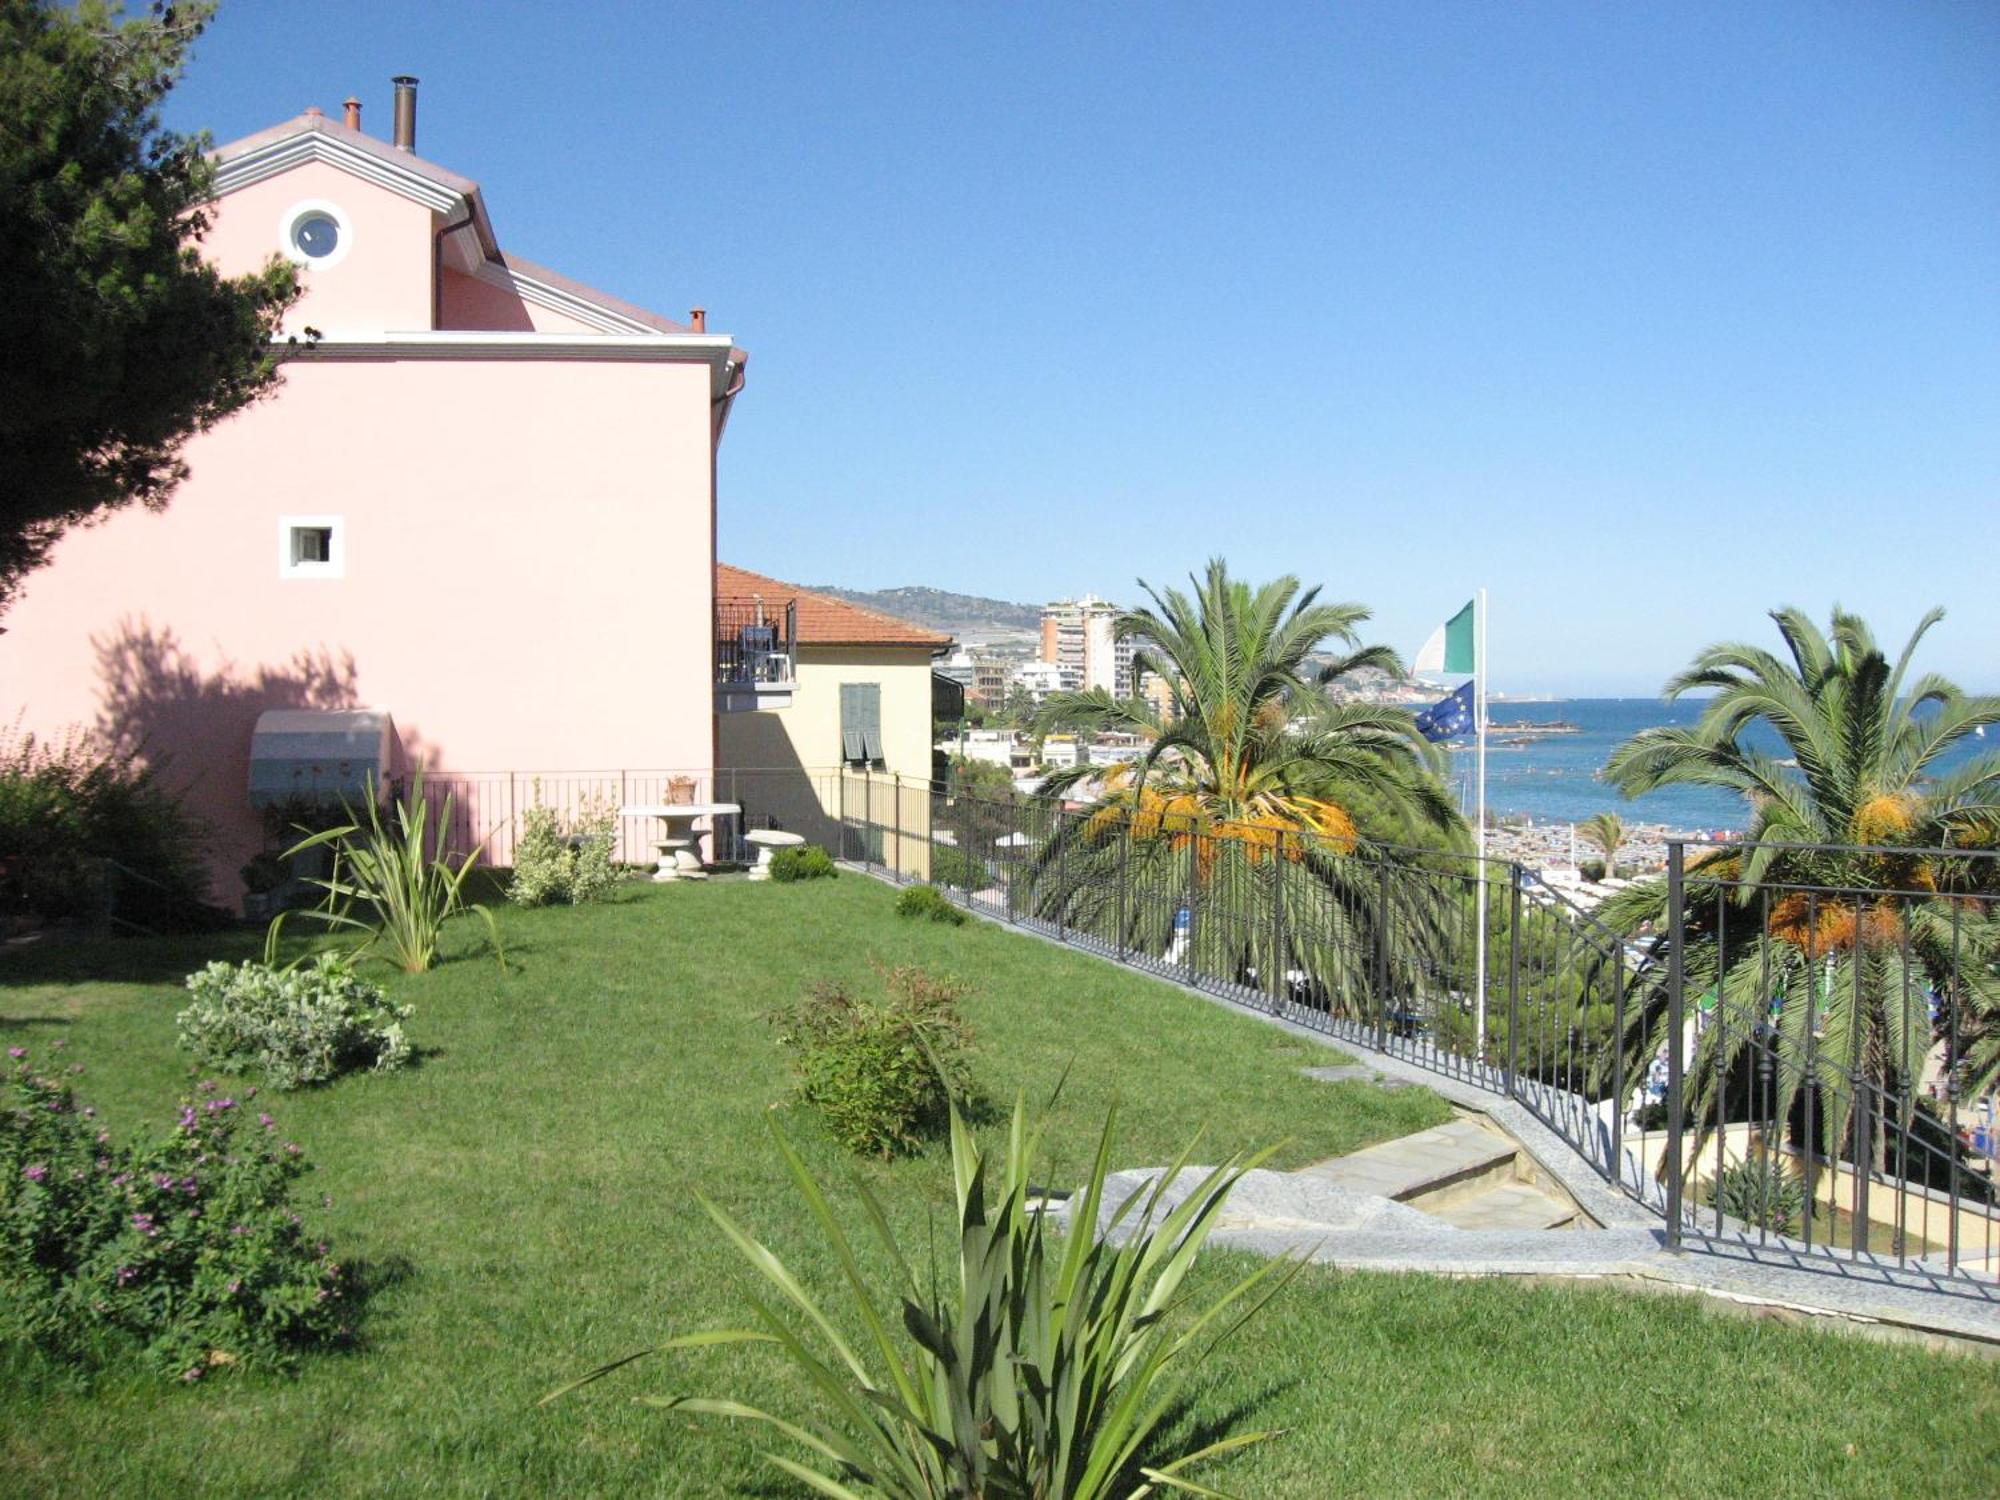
467,303
382,281
528,552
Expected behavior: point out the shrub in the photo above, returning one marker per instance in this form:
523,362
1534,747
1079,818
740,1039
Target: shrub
557,861
293,1027
802,862
929,901
1591,870
882,1073
68,809
1763,1190
1055,1367
184,1245
386,885
951,865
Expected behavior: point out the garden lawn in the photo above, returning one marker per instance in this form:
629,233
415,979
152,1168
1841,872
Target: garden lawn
523,1203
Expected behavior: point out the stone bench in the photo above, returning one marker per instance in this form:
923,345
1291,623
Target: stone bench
769,840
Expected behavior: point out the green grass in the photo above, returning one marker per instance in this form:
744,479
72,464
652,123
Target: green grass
523,1200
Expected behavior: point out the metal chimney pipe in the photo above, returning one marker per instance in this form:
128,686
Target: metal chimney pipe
406,112
353,108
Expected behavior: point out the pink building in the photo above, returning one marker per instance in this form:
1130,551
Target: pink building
483,501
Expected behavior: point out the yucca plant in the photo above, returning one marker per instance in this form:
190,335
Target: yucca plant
385,883
1764,1190
1048,1371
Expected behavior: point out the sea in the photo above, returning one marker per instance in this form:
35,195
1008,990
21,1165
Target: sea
1555,778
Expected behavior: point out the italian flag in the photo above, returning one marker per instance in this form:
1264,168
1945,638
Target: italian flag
1450,648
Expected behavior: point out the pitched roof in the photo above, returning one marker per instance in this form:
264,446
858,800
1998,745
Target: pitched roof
824,620
316,137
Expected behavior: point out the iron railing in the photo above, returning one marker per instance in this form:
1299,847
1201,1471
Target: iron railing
755,641
1569,1013
1825,1013
1695,1041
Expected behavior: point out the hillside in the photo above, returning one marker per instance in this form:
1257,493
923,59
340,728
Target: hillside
965,616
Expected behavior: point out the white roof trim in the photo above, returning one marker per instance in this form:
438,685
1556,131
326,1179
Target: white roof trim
716,350
317,146
556,299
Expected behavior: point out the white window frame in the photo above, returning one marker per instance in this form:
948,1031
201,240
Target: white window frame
336,564
306,208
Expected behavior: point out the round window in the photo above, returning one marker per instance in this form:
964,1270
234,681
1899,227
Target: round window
316,235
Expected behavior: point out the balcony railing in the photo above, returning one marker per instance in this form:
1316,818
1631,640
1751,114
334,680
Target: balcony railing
756,651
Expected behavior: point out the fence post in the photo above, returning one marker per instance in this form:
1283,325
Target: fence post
867,814
1381,953
1676,1121
1618,1066
1280,980
1193,907
896,812
510,815
1124,875
1513,982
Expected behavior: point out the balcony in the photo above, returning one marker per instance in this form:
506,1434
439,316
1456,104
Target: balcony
756,652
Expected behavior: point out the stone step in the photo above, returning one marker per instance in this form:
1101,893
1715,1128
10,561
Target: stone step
1506,1205
1424,1166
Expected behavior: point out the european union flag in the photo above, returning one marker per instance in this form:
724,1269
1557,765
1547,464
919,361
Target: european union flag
1448,718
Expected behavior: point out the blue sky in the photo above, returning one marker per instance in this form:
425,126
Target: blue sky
1647,318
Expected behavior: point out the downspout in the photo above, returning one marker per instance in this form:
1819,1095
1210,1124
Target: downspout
719,416
437,265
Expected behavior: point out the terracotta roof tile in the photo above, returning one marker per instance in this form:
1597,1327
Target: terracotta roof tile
824,620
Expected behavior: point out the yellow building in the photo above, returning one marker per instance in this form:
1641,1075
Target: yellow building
853,725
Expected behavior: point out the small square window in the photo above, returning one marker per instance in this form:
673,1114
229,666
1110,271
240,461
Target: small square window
311,547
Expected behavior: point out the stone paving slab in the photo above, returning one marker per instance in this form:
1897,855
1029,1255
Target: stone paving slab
1410,1164
1506,1205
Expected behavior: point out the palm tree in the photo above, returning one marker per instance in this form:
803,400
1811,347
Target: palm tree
1251,742
1826,936
1607,831
1248,794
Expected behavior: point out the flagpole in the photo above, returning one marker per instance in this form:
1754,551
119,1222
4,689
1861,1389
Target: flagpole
1479,715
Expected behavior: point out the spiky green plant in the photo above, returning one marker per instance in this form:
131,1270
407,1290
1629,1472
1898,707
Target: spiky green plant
1047,1371
1764,1190
386,885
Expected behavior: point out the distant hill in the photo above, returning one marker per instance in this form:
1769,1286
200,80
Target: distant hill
966,616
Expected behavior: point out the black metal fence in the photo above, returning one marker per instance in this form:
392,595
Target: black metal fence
1826,1013
1472,968
1773,1048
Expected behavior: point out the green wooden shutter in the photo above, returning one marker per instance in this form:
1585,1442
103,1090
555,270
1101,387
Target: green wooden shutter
861,721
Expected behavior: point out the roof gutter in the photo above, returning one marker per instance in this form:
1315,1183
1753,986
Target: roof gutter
721,404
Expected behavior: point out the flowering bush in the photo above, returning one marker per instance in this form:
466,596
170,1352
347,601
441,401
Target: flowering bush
559,861
293,1027
183,1244
882,1073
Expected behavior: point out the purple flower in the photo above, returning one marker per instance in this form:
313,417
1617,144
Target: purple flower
267,1122
235,1287
17,1052
35,1173
237,1229
187,1117
125,1275
144,1224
